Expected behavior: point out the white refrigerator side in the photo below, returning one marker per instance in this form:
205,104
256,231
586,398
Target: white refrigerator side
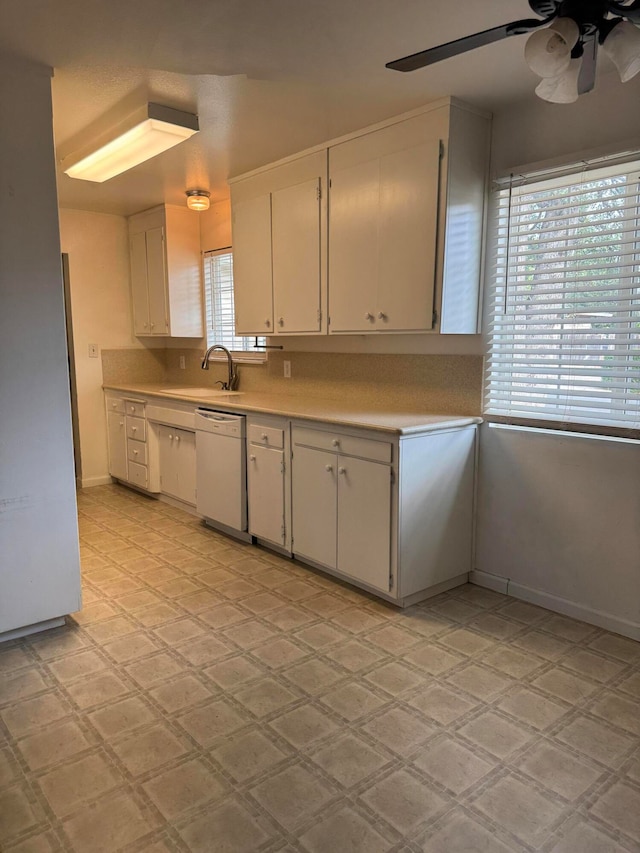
39,558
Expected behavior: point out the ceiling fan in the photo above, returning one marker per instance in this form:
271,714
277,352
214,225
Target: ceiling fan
563,45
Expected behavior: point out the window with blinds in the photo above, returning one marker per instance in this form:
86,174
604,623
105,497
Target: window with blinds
219,308
565,303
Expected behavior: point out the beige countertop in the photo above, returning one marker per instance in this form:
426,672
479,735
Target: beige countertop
339,412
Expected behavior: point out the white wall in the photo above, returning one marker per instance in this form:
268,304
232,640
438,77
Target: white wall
98,249
558,515
39,562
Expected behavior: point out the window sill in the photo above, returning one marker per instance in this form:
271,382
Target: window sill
240,358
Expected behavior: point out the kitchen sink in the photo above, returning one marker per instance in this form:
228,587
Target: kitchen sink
201,392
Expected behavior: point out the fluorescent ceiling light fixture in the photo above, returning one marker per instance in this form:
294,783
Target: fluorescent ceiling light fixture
144,134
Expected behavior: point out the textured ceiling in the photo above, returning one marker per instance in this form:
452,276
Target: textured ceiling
266,78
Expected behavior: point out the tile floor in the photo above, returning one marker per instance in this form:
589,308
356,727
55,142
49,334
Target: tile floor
214,697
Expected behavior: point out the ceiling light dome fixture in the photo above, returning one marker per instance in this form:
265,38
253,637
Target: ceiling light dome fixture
198,199
563,46
548,51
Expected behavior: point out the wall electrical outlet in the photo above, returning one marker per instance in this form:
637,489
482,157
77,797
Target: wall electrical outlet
287,369
93,350
183,362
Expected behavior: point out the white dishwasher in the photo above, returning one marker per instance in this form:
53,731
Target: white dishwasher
221,470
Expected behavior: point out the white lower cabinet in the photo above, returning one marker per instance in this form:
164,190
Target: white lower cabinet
342,505
117,444
177,456
268,481
392,516
128,442
314,504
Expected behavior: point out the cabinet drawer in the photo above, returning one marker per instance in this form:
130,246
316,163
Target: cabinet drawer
137,451
134,408
266,436
138,475
136,428
349,445
115,405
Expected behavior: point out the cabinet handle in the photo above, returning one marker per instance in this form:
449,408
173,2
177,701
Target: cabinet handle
342,470
267,323
382,316
328,468
368,316
252,458
336,442
281,321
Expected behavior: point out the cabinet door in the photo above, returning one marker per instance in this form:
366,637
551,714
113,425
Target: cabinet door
295,228
353,245
157,282
265,474
408,228
364,521
117,445
139,290
252,275
314,505
168,451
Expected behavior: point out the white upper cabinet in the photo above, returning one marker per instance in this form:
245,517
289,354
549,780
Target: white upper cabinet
252,277
279,248
166,282
400,231
383,220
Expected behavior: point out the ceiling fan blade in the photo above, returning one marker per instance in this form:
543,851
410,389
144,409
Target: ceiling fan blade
453,48
630,11
587,76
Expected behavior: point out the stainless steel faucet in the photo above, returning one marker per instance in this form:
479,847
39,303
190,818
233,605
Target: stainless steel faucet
232,383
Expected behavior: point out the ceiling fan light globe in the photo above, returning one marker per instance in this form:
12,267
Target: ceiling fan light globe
548,51
562,89
622,46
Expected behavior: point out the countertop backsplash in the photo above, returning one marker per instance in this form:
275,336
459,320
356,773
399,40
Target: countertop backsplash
447,384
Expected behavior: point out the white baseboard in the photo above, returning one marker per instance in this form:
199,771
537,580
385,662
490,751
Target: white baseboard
494,582
87,482
557,604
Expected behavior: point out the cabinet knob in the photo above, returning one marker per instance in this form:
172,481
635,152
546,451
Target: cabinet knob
152,325
135,452
264,436
114,405
145,325
328,468
336,442
368,316
177,438
170,436
133,408
342,470
252,458
134,429
281,321
267,323
121,423
382,316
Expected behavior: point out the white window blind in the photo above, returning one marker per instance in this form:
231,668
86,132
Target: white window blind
565,305
219,307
